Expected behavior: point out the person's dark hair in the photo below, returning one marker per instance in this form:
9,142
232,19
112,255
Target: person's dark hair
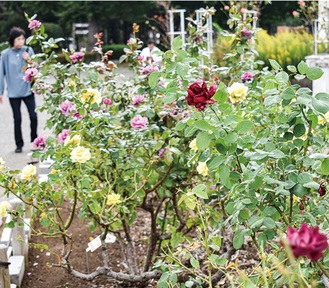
150,42
14,33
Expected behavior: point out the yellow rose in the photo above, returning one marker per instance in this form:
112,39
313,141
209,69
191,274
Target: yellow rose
80,154
202,168
12,184
91,96
76,139
28,172
43,215
193,145
2,162
72,83
321,121
4,208
237,91
113,199
53,171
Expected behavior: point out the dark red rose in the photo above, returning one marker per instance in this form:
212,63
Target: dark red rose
307,241
322,191
200,96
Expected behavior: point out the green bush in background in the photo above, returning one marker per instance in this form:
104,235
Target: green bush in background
288,48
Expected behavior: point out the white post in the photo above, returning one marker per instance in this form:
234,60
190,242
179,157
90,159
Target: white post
172,33
182,25
4,271
171,25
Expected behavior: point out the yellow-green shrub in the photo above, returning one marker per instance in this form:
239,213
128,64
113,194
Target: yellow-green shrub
288,48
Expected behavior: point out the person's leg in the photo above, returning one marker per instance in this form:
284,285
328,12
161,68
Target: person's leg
30,104
15,104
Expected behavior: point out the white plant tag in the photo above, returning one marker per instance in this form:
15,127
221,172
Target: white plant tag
94,244
110,238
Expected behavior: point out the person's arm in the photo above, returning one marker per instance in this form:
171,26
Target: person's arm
2,77
28,53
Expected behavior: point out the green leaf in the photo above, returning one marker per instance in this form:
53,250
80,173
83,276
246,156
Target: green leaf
269,223
215,259
314,73
215,162
203,125
299,190
238,239
202,141
154,79
288,94
321,102
305,178
177,43
325,167
224,175
275,65
299,130
194,262
200,191
244,126
292,68
302,67
282,77
299,77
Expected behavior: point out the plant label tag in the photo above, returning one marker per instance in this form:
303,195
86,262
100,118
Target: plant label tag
94,244
110,238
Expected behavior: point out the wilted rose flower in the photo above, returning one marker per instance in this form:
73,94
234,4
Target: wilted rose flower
307,241
295,13
34,24
66,107
29,74
246,33
40,142
246,76
107,101
322,191
139,122
200,96
63,135
77,57
137,99
149,69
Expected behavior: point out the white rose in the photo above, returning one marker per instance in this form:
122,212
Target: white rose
237,91
80,154
28,172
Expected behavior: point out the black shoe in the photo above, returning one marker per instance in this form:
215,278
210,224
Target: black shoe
18,150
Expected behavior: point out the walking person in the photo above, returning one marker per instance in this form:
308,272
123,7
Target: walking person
13,60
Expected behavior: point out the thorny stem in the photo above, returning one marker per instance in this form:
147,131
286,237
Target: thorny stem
291,205
322,268
70,219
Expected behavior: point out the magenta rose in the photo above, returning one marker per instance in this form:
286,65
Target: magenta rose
307,241
107,101
137,99
63,135
66,107
139,122
77,57
149,69
162,152
40,142
200,96
30,74
34,24
246,76
322,191
246,33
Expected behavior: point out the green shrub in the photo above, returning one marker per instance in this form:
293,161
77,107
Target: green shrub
288,48
3,46
116,48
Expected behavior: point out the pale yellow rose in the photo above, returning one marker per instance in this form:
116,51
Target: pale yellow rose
321,121
28,172
12,184
193,145
4,208
113,199
76,139
43,215
202,168
80,154
237,91
2,162
53,171
91,96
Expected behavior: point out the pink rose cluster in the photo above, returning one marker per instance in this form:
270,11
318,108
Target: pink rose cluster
149,69
246,76
63,135
66,107
307,241
34,24
30,74
139,122
246,33
137,99
77,57
40,142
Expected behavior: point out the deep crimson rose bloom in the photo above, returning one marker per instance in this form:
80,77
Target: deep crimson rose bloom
322,191
307,241
200,96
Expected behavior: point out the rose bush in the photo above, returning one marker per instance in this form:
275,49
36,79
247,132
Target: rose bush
218,171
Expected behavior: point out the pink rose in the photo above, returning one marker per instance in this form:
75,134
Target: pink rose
246,33
140,58
243,10
162,152
29,74
307,241
295,13
107,101
77,57
149,69
226,7
66,107
63,135
302,3
246,76
40,142
34,24
137,99
139,122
